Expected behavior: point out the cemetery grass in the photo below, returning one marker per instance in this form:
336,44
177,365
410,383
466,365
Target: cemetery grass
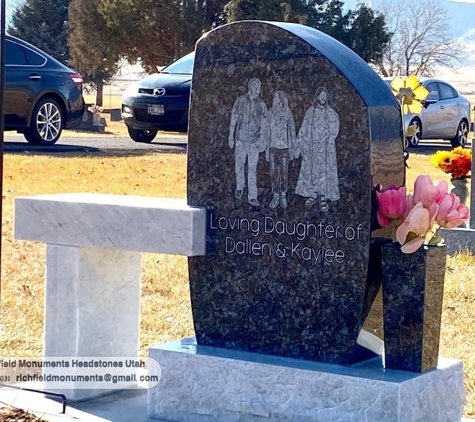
166,311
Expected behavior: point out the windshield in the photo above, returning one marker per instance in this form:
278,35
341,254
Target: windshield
182,65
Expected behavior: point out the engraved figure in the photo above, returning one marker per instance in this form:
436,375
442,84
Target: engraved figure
245,136
318,178
280,140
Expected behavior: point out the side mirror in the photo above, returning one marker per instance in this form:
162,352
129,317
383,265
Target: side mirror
431,99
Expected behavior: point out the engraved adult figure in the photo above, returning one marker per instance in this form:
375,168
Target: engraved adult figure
247,117
318,178
280,139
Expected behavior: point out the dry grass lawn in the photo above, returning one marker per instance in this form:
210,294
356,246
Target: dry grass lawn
166,313
9,414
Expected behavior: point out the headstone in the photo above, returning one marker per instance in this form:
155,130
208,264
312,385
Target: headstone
288,132
115,115
462,239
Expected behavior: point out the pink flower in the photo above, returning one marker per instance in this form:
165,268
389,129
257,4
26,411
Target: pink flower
425,191
449,202
430,203
392,204
443,189
455,216
411,234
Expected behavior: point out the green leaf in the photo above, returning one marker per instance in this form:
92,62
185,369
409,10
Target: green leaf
436,240
411,236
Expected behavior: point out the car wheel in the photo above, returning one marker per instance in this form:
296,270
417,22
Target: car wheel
414,139
145,136
461,136
46,123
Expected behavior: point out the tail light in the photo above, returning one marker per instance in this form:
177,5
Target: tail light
77,78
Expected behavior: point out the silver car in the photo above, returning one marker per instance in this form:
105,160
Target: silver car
446,114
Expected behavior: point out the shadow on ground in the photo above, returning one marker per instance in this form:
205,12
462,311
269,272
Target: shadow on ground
432,148
81,151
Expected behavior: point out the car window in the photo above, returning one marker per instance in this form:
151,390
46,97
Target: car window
14,54
446,92
182,65
433,91
33,58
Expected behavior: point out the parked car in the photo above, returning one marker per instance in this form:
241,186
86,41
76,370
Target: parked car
159,101
42,96
446,116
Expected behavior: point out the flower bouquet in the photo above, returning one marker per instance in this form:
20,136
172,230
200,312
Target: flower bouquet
417,217
95,109
457,162
96,114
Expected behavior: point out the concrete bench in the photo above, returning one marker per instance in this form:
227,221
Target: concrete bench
93,264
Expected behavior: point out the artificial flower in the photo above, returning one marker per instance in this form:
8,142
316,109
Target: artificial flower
411,234
417,214
426,192
410,93
95,109
455,217
457,162
392,204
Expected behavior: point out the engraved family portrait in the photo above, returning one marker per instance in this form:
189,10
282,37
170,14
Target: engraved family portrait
279,134
245,136
255,129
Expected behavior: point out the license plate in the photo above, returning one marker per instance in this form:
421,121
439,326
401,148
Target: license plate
156,109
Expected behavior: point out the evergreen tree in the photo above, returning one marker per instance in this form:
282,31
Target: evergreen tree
92,52
43,23
361,30
365,33
157,32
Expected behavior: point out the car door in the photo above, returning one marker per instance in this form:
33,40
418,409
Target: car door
430,114
449,111
23,82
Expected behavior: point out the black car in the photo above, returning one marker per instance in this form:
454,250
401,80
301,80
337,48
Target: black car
159,101
42,96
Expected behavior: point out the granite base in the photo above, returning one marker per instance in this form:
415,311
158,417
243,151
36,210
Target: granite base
460,239
201,384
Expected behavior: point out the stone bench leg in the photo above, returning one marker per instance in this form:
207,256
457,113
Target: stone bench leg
92,305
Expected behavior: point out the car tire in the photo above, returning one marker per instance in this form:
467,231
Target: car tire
46,123
413,141
143,136
461,136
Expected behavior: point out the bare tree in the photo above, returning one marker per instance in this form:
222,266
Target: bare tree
420,40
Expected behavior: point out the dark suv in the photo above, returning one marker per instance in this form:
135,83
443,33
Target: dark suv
159,101
42,96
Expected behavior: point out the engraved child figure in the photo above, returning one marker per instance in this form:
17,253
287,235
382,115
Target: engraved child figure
280,139
247,116
318,178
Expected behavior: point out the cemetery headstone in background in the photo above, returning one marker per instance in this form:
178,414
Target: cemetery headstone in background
289,131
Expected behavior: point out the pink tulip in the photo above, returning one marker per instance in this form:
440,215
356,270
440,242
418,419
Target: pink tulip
448,203
418,223
413,245
443,190
425,191
392,204
455,217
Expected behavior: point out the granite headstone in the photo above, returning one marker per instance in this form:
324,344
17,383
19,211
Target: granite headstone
288,132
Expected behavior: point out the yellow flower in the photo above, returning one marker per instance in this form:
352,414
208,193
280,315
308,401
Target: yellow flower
457,162
410,93
441,159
